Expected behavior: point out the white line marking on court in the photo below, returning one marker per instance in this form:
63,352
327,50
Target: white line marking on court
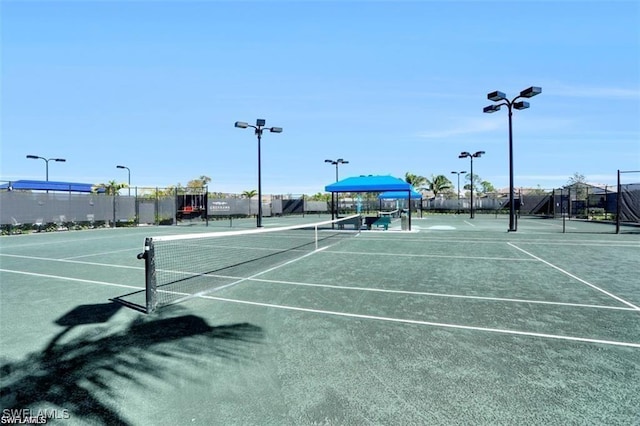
101,254
452,239
429,323
576,278
441,256
241,280
72,261
454,296
469,223
57,277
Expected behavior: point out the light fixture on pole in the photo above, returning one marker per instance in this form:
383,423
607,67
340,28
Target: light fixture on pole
46,160
259,128
476,154
498,96
458,173
336,163
129,177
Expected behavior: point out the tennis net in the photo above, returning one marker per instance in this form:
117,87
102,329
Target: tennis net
179,267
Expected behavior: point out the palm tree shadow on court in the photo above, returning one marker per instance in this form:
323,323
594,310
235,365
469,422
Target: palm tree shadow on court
76,374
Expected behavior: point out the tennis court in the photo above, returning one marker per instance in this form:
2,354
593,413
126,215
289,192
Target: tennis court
456,322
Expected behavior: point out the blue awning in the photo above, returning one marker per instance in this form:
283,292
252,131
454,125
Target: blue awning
400,195
43,185
369,184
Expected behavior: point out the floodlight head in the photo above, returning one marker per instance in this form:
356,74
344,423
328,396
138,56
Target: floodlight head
276,130
261,122
328,161
521,105
478,154
241,124
62,160
120,167
491,108
531,92
33,157
344,162
496,96
464,154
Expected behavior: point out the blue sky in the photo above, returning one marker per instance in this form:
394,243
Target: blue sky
390,86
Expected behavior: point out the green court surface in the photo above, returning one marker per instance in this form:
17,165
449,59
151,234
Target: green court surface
455,323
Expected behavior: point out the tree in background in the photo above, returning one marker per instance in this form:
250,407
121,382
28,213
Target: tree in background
416,181
110,188
439,184
249,194
320,197
487,187
578,182
198,184
477,183
577,178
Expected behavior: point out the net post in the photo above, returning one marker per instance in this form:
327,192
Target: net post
150,276
315,228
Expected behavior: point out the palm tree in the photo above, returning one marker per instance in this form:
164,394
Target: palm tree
439,184
416,181
110,188
249,194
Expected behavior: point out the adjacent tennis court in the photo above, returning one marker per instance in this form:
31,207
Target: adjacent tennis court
456,322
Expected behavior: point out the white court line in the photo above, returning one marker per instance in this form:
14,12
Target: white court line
443,295
101,254
576,278
241,280
440,256
72,261
57,277
469,223
346,314
428,323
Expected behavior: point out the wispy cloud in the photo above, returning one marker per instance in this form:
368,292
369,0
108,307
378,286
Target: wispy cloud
593,92
466,127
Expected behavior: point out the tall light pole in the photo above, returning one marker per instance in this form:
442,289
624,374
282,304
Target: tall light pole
46,160
259,128
458,173
498,96
476,154
336,163
128,178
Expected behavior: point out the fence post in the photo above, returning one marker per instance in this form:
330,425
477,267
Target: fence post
618,204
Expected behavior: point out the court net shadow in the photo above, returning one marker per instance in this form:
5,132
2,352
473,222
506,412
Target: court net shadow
79,374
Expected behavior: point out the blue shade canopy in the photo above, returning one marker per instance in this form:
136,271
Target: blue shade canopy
370,183
43,185
400,195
